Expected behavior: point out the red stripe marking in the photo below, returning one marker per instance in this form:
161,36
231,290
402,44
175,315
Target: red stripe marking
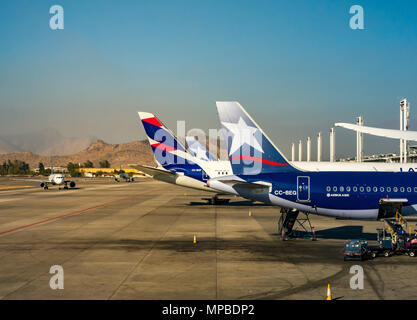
260,160
153,121
164,147
65,215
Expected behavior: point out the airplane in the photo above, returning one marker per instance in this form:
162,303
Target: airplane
123,175
197,165
176,164
262,173
57,179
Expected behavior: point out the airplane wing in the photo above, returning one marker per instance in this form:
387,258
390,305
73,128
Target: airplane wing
152,171
387,133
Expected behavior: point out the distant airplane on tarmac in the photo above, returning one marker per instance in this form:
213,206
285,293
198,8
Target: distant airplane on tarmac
188,168
57,179
123,175
262,173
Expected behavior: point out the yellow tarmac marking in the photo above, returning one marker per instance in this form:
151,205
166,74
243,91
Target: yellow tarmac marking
14,187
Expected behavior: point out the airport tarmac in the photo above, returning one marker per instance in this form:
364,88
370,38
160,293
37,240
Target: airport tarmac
135,241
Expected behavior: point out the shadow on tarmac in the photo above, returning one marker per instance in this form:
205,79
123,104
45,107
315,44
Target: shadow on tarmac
244,203
340,233
346,233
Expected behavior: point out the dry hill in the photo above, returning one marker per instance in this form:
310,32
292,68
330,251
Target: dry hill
136,152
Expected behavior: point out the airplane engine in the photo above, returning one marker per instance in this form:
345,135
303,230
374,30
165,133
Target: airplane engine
42,184
72,184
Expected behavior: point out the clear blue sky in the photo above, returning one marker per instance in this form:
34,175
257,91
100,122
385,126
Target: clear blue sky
296,66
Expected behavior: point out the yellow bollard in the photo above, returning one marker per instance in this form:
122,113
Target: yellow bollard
195,238
329,293
250,214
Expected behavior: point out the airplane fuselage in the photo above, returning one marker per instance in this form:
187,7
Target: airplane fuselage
353,195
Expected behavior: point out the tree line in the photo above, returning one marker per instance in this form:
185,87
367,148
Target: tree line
18,167
14,168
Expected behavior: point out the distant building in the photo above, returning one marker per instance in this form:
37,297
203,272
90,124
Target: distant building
56,169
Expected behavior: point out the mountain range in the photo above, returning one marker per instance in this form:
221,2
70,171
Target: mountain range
119,155
52,148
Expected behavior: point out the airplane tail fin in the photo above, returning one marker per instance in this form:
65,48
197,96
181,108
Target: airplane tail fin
250,150
198,150
166,148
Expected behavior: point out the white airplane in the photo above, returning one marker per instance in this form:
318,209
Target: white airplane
57,179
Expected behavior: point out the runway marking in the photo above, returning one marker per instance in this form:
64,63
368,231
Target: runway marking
65,215
14,187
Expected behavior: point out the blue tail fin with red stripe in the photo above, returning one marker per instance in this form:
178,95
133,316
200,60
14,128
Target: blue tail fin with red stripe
251,152
168,151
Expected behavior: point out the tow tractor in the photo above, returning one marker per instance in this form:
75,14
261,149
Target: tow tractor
357,250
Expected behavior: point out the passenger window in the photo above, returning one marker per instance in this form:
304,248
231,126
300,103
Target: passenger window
355,189
375,189
361,189
388,189
402,189
348,189
395,189
381,189
415,189
335,189
341,189
328,188
368,189
408,189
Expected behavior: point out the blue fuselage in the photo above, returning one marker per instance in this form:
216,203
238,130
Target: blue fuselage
343,194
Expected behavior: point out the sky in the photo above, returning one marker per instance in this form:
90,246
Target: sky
296,66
